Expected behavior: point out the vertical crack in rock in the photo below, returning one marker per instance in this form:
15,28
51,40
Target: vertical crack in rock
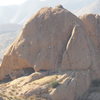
77,51
65,43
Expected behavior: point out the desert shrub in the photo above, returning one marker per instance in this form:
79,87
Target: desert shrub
54,84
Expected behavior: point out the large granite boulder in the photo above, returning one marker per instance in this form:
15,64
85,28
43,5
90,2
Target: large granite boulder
53,40
44,40
92,25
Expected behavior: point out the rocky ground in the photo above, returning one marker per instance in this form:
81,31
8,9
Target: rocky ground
37,86
33,87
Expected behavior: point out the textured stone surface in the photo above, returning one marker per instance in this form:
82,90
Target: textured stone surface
94,96
72,88
54,39
42,42
68,86
83,81
77,55
92,24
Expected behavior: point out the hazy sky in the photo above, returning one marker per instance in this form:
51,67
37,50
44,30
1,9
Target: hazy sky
70,4
10,2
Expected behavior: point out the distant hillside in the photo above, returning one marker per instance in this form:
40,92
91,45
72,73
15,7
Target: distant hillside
5,40
90,8
6,28
17,13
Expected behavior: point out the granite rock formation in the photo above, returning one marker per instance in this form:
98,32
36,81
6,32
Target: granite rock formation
54,41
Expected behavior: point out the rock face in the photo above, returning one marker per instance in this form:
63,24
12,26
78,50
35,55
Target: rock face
92,24
42,41
94,96
59,86
72,88
55,40
77,51
51,40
